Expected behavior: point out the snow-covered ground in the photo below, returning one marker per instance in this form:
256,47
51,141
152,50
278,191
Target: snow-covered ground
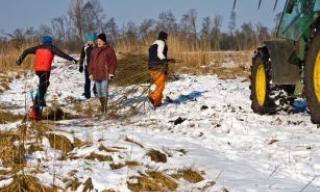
218,136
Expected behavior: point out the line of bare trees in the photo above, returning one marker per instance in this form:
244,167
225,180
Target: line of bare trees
87,16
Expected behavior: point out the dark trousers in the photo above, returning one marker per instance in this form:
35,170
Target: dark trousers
87,84
44,83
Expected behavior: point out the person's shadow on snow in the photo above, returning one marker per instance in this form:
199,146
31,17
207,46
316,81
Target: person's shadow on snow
183,99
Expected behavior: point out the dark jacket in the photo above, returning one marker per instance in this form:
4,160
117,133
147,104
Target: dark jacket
103,61
44,56
85,55
158,56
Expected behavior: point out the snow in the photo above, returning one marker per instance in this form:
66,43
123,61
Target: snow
221,137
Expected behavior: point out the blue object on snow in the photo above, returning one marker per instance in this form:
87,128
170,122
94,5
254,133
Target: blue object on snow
299,105
46,39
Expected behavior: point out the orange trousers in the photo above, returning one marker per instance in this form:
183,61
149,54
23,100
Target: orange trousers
159,79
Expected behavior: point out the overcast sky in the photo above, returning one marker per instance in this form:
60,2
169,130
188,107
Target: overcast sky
25,13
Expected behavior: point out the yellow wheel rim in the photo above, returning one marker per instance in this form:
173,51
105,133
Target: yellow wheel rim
261,85
316,77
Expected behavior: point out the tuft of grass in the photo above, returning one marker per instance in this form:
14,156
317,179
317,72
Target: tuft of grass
34,147
132,163
6,117
134,142
107,149
153,181
27,183
11,155
95,156
60,142
87,109
189,175
108,190
121,165
71,183
164,179
157,156
88,186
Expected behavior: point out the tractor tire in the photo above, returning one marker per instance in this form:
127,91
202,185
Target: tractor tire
260,79
312,79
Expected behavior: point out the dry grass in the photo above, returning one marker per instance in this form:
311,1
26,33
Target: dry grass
71,183
88,186
153,181
60,142
130,164
157,156
127,139
9,53
35,147
189,175
108,149
6,117
84,110
11,155
94,156
27,183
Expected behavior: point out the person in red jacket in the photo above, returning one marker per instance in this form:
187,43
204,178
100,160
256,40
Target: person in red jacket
102,67
44,54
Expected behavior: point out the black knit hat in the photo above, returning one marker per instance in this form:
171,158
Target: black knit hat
163,35
102,37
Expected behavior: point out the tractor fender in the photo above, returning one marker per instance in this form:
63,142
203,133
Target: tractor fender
278,53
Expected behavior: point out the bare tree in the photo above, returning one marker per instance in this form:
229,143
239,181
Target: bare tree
205,32
76,16
146,28
262,33
93,17
58,26
189,26
246,38
131,34
111,29
45,29
167,22
216,32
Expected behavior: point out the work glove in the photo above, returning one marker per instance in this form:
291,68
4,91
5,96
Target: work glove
81,69
74,61
111,76
18,62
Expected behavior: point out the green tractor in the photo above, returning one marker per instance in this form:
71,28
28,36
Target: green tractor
289,67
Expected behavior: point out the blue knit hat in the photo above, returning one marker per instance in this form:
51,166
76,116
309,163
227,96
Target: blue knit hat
91,37
46,39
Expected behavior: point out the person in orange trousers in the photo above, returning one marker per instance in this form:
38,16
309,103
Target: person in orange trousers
158,67
159,78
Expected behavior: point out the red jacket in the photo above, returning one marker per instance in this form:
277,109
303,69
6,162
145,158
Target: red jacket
44,56
103,61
